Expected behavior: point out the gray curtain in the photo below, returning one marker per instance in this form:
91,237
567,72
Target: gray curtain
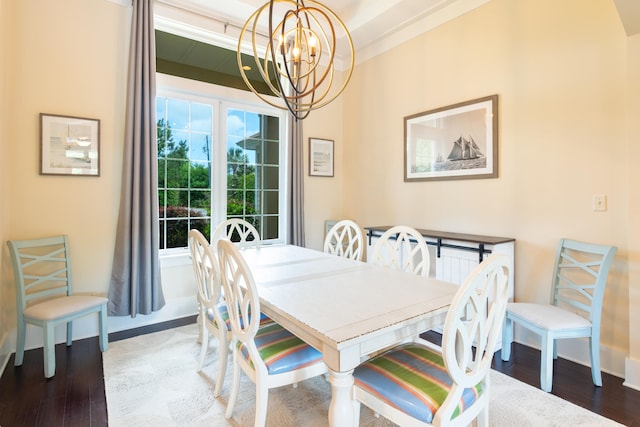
296,178
135,286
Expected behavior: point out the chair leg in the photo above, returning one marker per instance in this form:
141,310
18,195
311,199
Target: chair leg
546,363
507,338
482,420
102,324
204,346
235,386
596,375
21,331
223,356
262,402
69,333
49,351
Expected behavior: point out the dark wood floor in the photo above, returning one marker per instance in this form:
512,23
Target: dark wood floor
75,396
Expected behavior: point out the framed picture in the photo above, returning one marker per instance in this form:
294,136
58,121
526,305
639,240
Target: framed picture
455,142
69,145
320,157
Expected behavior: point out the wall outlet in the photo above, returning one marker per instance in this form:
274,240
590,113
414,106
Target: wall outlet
599,202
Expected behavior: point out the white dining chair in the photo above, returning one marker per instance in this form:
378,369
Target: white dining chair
418,384
42,276
212,315
402,248
239,231
575,309
268,354
345,239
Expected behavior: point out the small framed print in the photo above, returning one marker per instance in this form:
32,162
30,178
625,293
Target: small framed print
69,145
320,157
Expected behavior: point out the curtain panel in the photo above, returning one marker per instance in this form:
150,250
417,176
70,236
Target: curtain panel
135,286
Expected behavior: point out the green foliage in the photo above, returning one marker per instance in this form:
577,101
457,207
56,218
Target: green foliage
185,188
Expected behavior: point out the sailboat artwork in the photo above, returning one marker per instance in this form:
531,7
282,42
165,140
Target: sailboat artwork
459,141
464,149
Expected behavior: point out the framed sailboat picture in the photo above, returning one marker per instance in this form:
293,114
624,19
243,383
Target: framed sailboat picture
459,141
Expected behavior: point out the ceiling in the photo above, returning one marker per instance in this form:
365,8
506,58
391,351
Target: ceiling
374,25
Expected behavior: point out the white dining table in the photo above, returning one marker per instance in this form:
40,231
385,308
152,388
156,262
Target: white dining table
346,309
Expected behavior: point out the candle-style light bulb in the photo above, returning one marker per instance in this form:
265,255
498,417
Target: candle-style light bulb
312,46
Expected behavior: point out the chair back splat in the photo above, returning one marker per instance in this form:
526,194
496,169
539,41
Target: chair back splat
345,239
42,276
402,248
239,231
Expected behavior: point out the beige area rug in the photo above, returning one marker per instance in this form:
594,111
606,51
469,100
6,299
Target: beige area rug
151,380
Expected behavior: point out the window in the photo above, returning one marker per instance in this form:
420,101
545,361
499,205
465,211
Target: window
218,158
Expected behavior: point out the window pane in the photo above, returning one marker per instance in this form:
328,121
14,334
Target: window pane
254,151
270,227
200,175
200,203
177,144
201,115
271,153
270,178
178,114
271,128
200,147
177,174
177,233
270,204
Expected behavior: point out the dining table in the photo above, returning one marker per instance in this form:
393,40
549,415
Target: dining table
346,309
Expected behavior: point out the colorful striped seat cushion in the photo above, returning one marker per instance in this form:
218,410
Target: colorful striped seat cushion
222,307
280,350
412,379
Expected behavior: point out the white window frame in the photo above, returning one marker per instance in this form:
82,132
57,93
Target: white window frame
223,98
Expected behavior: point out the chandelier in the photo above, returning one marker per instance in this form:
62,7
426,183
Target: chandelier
299,62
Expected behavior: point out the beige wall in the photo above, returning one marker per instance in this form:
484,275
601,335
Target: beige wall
633,363
560,70
5,34
324,195
67,57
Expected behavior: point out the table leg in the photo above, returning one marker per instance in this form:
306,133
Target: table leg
342,411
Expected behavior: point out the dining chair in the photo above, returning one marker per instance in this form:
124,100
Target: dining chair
212,316
402,248
239,231
577,292
345,239
268,354
42,276
419,384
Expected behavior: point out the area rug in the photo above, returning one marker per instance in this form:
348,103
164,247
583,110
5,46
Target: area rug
151,380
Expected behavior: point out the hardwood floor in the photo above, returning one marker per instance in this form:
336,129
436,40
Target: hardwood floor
75,396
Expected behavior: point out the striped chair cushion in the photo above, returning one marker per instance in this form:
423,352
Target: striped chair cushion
280,350
222,307
412,379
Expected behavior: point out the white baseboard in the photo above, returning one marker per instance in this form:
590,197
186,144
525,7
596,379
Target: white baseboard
632,373
175,308
612,360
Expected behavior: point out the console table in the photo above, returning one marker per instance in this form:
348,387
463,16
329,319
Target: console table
457,254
